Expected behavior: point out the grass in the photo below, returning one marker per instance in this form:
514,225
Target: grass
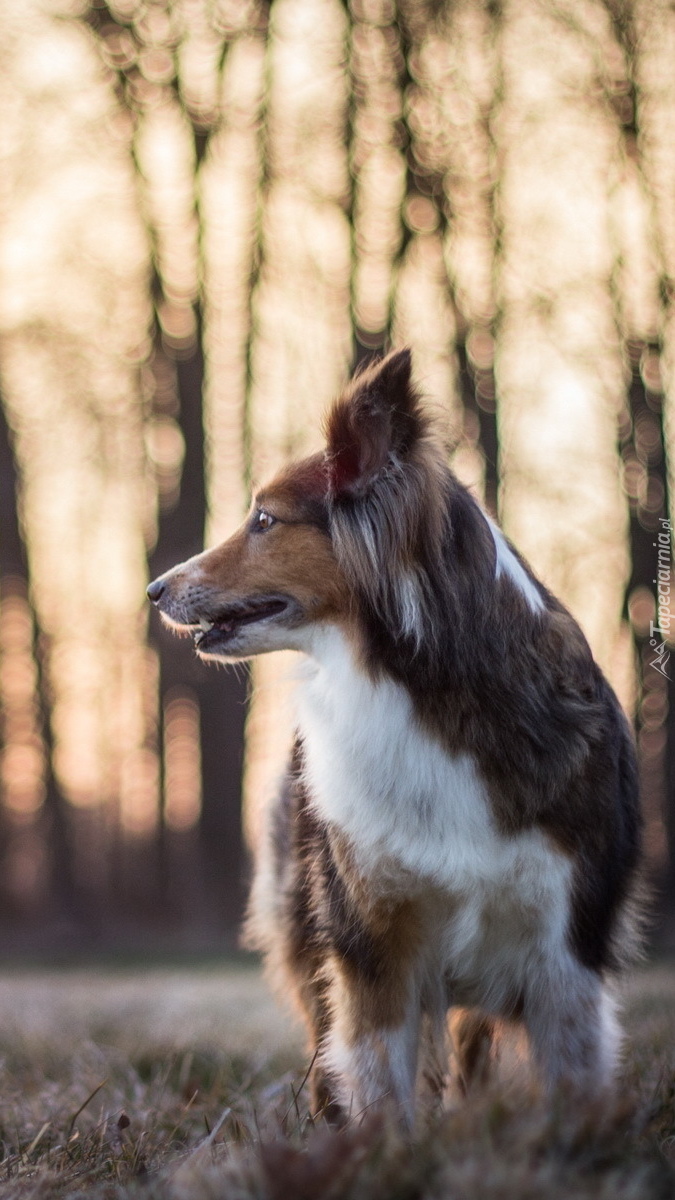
187,1085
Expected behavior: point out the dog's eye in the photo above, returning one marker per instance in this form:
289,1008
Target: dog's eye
264,520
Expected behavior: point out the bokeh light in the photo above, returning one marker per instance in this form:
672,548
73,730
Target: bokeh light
210,212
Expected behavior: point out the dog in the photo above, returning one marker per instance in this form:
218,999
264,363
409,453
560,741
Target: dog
459,829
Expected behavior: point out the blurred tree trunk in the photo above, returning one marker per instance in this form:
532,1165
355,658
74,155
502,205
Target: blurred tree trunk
221,696
163,871
669,882
64,907
645,451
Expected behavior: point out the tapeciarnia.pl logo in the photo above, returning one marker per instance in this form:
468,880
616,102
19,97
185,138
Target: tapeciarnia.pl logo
659,631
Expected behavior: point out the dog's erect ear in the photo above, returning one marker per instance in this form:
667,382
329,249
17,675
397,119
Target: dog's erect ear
378,417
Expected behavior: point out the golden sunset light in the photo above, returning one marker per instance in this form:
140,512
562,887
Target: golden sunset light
210,213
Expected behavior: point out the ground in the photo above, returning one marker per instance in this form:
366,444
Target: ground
188,1084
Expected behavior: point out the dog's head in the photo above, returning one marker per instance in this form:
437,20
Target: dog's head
331,531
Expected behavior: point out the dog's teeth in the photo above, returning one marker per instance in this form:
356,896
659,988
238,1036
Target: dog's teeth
205,625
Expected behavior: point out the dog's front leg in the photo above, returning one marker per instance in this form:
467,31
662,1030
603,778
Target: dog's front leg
371,1050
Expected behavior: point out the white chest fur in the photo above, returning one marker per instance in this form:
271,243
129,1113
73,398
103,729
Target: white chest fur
419,818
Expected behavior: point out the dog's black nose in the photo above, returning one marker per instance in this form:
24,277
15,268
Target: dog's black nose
155,590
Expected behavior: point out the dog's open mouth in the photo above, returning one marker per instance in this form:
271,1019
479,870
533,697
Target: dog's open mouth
215,631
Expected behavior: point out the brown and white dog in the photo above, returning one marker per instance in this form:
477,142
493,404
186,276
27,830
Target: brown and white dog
460,822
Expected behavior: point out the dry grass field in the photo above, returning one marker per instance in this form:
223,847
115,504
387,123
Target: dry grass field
187,1084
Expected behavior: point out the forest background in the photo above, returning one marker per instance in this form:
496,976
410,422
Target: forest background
211,211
